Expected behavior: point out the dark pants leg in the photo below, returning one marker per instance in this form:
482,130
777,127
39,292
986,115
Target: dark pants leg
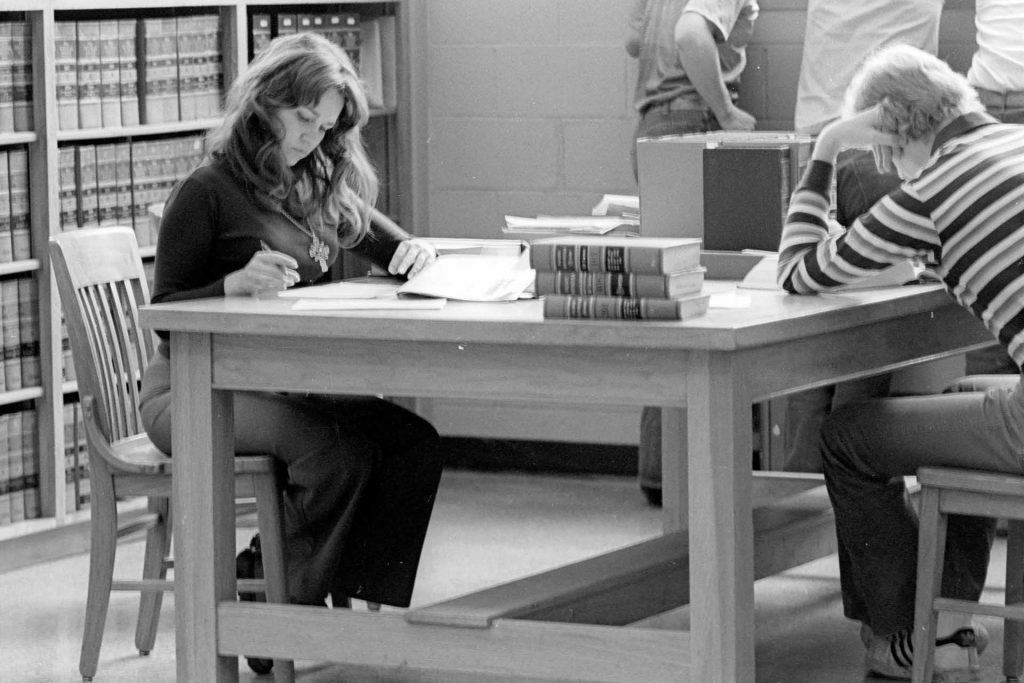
867,447
362,475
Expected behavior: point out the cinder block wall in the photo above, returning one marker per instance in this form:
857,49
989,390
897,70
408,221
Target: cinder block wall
530,101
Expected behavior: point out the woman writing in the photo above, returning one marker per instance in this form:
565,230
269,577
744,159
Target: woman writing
285,186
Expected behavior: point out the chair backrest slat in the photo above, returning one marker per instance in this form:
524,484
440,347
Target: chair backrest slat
102,283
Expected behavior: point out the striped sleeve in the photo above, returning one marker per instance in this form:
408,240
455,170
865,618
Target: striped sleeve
897,228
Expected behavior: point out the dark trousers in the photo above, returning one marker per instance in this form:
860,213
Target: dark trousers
868,447
362,476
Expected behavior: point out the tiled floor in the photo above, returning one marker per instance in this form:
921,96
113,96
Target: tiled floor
487,528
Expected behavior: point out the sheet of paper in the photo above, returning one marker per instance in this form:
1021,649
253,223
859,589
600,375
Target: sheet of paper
343,290
593,225
393,303
472,277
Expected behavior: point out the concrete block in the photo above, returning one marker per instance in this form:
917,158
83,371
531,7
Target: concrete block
525,22
597,155
494,153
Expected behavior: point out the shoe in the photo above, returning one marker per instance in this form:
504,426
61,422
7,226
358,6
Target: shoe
956,655
249,565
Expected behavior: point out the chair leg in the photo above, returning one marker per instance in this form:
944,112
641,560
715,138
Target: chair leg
158,545
271,525
103,526
1013,631
930,551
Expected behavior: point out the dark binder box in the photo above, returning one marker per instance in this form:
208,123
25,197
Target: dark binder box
746,195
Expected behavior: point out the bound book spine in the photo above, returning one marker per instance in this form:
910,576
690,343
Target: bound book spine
623,308
609,258
619,284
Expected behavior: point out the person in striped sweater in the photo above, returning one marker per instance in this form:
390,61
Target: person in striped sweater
960,209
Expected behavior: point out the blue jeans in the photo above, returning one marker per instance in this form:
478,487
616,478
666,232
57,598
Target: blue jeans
867,447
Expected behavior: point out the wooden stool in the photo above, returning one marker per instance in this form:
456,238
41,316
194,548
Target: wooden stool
946,491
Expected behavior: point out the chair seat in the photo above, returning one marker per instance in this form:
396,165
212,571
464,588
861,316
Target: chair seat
974,481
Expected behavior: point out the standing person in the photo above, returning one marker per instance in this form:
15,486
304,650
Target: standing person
997,67
960,210
997,74
690,56
838,36
285,186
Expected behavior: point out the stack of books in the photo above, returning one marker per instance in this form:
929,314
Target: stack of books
619,278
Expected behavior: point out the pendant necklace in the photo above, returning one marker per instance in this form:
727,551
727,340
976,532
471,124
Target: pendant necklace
318,249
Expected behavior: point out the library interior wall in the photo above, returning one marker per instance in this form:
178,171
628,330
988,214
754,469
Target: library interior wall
529,110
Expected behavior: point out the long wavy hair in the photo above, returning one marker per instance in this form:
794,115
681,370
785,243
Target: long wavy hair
336,184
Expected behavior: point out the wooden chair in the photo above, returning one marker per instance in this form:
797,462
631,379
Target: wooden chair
946,491
101,281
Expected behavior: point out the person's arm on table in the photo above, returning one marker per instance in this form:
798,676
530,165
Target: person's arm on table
811,260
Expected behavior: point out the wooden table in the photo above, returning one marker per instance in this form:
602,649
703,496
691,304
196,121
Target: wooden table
716,365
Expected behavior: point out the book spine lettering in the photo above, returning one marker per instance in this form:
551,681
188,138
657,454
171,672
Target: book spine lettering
89,103
110,73
127,30
21,75
597,258
622,308
6,250
66,78
6,77
21,237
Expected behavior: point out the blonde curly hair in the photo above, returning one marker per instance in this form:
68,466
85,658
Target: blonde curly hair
916,92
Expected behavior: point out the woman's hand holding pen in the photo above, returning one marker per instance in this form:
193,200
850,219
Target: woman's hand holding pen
412,256
266,271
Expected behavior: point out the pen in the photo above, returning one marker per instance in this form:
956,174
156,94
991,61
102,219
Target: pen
264,246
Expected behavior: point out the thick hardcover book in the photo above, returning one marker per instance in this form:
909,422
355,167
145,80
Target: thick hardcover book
106,183
6,251
619,284
191,66
127,30
123,211
65,44
17,165
286,23
110,73
610,254
746,195
14,446
6,77
211,66
89,103
158,71
88,187
67,187
11,334
21,74
624,308
260,33
30,462
5,473
28,326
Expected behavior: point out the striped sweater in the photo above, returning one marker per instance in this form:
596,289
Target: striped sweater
963,216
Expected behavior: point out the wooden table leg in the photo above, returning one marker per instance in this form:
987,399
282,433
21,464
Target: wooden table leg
204,574
721,526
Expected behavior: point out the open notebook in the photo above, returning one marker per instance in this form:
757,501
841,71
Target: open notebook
463,277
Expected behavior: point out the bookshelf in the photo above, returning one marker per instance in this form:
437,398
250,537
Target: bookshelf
67,133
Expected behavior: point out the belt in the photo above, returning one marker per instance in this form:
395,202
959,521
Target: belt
1010,98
